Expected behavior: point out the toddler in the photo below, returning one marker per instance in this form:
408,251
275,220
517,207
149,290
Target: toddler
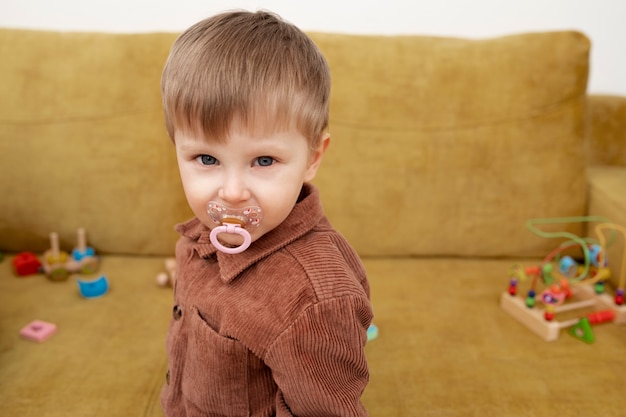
271,304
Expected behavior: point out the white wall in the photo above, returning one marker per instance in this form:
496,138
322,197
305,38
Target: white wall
604,21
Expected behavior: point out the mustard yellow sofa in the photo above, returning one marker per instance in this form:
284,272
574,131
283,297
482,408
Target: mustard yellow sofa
442,150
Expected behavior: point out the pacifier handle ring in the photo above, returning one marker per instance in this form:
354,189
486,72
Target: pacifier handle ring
230,228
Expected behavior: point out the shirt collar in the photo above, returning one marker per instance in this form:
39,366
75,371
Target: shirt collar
305,215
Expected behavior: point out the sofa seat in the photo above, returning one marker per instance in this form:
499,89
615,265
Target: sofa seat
107,357
445,348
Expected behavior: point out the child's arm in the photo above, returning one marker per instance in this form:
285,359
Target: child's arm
319,363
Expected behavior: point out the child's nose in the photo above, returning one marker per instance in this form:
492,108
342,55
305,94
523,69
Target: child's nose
233,189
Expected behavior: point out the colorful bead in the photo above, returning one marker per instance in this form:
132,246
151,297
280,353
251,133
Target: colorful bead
597,258
565,287
547,273
530,299
568,266
599,287
549,313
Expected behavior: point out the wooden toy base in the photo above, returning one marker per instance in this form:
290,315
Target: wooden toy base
533,318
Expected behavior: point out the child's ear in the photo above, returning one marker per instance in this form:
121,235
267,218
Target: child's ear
316,158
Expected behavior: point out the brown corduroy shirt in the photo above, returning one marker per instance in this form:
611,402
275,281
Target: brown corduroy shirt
278,330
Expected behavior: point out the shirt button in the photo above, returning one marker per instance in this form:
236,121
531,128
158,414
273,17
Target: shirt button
177,312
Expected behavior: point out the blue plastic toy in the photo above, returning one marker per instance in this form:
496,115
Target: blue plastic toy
93,288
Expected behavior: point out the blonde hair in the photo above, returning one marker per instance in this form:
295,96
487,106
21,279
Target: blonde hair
251,67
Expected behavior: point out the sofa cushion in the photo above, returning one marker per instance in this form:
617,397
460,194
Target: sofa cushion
608,199
83,142
448,146
606,130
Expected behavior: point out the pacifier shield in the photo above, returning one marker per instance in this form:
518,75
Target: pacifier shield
247,217
233,221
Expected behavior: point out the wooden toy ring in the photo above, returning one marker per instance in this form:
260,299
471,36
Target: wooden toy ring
93,288
231,228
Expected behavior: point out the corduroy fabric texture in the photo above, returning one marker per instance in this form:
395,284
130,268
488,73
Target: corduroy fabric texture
279,329
440,146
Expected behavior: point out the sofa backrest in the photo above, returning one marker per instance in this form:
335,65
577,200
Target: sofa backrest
440,146
448,146
606,130
83,144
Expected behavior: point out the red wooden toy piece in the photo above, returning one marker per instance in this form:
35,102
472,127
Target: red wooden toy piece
26,263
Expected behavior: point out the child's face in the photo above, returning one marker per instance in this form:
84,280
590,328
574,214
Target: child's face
264,170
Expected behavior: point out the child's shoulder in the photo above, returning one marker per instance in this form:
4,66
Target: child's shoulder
329,263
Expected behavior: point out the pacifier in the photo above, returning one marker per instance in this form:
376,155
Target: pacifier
235,221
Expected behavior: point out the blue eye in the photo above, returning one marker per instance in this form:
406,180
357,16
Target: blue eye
265,161
207,160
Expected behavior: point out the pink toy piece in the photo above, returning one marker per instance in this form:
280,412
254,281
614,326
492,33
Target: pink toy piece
38,330
230,228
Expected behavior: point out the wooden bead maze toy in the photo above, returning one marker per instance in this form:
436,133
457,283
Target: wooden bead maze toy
568,293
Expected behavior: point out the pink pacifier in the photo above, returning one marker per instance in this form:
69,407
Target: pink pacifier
234,221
